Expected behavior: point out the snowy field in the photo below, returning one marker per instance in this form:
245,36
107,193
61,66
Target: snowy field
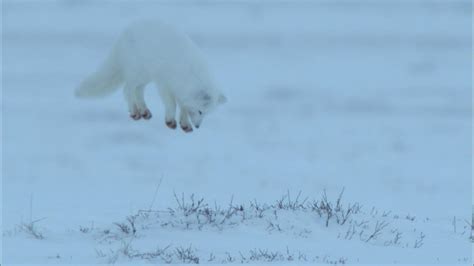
372,98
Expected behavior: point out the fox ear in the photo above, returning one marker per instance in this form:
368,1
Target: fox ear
222,99
203,95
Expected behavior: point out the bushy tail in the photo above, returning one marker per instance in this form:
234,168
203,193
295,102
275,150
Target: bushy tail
104,81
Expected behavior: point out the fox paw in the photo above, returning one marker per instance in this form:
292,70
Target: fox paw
146,114
171,124
186,128
135,116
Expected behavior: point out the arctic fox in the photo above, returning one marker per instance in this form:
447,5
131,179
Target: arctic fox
153,51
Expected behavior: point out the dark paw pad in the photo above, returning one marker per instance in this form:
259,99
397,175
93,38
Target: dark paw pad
135,116
171,124
187,129
146,114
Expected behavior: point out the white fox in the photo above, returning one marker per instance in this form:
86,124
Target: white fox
153,51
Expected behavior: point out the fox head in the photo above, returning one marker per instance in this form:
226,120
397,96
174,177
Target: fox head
201,104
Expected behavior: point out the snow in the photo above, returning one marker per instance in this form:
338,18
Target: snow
370,97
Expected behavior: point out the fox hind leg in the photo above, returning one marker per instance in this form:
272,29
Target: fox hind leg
140,102
134,95
130,98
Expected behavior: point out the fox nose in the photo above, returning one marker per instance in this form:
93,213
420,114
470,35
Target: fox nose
197,126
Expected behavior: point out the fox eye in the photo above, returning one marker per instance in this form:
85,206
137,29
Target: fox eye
200,113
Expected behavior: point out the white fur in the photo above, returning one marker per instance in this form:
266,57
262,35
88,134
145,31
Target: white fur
152,51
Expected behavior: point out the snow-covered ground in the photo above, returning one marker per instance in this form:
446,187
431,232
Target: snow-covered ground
373,97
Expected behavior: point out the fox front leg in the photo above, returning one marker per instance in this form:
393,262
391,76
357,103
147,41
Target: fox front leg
184,121
170,108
